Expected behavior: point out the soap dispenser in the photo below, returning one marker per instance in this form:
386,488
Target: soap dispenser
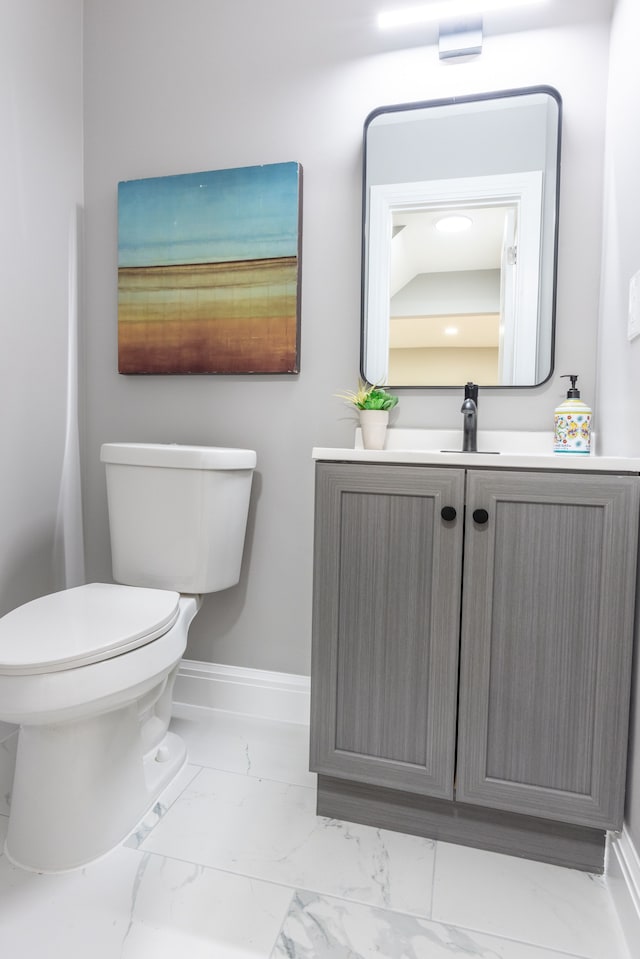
572,421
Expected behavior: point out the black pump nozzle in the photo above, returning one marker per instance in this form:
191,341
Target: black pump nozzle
574,392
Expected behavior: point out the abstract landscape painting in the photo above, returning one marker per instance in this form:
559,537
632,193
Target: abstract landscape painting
209,271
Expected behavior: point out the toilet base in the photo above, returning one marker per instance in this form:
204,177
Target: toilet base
99,784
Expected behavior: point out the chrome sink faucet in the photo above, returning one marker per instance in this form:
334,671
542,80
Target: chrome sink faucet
469,410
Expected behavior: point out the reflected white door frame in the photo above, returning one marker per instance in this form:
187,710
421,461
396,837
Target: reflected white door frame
524,191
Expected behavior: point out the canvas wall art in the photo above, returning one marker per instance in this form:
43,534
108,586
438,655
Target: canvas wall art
209,271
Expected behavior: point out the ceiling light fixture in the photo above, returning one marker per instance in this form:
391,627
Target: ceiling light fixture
451,331
454,224
446,10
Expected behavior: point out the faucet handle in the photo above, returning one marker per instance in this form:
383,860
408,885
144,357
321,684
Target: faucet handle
471,392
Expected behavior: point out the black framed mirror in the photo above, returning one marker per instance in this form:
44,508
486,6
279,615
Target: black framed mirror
459,240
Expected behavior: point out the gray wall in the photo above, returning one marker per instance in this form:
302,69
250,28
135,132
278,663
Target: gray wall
619,359
172,88
466,291
40,187
483,140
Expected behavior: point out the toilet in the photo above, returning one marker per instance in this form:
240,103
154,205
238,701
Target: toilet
87,673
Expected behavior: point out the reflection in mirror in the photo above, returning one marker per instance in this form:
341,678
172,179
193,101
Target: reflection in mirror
450,259
459,240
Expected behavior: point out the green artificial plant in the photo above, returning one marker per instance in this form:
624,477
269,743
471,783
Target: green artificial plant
369,397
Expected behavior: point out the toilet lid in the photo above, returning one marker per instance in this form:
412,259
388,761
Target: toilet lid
83,625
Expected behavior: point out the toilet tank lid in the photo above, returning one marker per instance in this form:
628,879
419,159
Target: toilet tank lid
178,457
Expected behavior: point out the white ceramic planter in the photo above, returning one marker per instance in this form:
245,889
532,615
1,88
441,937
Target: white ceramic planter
373,424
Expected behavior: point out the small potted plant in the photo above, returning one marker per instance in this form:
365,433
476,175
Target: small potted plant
373,404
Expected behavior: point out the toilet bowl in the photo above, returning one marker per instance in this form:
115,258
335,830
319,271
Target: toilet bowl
87,673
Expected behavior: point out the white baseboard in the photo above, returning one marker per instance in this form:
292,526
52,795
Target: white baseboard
253,692
623,879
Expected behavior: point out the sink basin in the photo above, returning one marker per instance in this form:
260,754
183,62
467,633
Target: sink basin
450,441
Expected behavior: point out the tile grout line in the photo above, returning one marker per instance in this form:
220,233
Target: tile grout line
436,847
267,779
301,888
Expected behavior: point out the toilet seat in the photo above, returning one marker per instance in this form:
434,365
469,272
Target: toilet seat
83,625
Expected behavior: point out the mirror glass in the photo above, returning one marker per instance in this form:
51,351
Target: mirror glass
460,221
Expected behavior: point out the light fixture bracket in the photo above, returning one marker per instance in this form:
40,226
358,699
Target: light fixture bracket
461,37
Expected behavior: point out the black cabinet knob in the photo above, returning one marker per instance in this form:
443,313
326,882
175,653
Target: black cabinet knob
448,513
480,516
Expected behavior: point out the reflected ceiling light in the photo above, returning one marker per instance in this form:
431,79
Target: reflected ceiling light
446,10
454,224
451,331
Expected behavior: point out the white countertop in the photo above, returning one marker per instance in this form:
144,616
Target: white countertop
442,448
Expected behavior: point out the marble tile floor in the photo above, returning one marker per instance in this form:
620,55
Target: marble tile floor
233,863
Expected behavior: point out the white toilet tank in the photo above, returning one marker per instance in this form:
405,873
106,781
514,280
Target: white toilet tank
177,514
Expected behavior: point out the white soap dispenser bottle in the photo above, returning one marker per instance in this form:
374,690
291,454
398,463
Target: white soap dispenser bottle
572,422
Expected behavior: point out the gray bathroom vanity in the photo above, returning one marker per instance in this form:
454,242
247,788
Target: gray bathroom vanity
472,646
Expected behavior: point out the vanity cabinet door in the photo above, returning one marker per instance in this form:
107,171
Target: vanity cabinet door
547,632
386,618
